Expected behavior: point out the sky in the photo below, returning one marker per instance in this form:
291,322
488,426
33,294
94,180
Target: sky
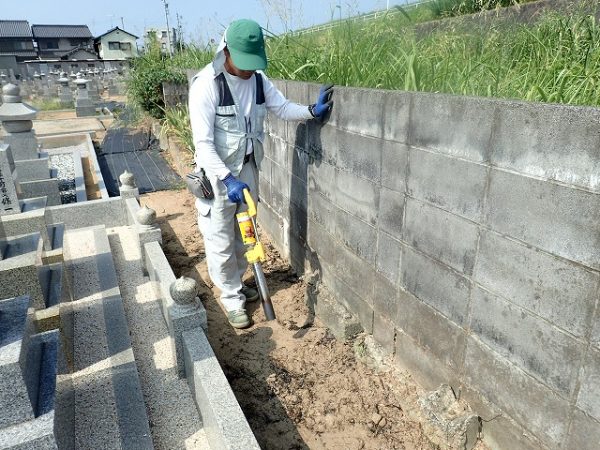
200,20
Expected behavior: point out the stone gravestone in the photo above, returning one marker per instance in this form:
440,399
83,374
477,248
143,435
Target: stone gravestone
37,84
65,97
16,118
9,203
83,105
45,88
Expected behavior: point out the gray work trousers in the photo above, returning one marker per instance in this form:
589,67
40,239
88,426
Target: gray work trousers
222,239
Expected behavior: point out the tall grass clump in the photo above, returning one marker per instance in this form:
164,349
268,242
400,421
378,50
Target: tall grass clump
148,72
176,123
556,59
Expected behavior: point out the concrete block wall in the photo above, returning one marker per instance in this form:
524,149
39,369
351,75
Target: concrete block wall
464,233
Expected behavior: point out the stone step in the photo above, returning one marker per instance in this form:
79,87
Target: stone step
104,392
31,204
15,405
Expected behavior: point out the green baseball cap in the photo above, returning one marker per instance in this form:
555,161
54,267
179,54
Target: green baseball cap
246,45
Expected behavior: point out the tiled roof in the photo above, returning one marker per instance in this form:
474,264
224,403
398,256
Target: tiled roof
15,28
61,31
20,53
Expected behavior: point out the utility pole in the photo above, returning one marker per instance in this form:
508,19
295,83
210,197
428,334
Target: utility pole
122,24
168,30
179,32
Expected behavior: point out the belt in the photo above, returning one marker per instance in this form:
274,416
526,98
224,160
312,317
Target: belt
249,157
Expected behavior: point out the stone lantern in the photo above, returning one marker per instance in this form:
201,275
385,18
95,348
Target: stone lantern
16,118
64,91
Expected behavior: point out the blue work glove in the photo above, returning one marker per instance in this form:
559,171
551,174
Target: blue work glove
235,188
324,102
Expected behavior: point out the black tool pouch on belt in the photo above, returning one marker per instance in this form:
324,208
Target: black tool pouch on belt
199,185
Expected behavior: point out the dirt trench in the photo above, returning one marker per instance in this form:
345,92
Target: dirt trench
299,388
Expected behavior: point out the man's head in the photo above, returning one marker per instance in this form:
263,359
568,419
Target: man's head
246,47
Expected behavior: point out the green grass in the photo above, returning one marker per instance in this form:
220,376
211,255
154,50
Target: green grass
49,105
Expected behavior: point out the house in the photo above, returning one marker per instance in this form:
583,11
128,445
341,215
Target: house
161,36
55,41
16,44
116,44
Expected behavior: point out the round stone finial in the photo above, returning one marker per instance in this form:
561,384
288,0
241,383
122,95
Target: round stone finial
146,216
11,93
183,291
127,179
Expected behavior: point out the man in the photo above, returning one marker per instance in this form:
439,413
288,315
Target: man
228,102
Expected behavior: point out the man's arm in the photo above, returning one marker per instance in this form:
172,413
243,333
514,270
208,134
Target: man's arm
203,99
281,106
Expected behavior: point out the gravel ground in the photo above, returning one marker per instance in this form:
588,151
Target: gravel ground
65,166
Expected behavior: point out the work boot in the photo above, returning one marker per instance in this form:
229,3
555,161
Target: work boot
238,318
251,294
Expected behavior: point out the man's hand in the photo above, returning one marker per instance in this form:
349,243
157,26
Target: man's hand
324,102
235,188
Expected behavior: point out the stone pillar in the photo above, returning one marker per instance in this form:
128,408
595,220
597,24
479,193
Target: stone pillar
64,92
16,118
45,88
186,314
146,229
9,203
83,105
128,188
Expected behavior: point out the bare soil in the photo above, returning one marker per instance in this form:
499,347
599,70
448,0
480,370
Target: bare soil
298,387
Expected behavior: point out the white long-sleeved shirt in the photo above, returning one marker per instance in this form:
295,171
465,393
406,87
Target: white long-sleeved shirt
203,102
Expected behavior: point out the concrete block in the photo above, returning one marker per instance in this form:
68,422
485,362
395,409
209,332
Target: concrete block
265,169
454,125
498,430
538,348
360,155
558,291
355,303
279,202
557,219
85,110
355,272
584,433
321,142
595,338
321,210
435,284
297,91
389,255
588,399
556,142
275,126
529,402
322,242
358,236
298,162
278,151
342,323
391,212
394,166
280,179
441,235
362,110
32,169
357,196
299,190
38,188
223,420
432,331
396,111
422,365
454,185
321,178
384,333
385,297
265,191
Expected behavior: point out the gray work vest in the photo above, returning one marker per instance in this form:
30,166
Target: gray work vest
232,129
